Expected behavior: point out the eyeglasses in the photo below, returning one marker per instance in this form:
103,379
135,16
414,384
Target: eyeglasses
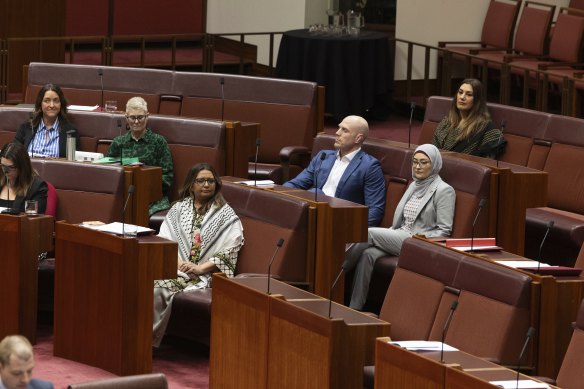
421,163
203,181
138,118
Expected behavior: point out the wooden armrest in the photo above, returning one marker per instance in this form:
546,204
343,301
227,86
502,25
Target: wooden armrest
443,44
519,57
488,49
546,66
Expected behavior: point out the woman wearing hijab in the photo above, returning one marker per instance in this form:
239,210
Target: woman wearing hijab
426,208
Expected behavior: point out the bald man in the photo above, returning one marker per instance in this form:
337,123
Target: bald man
348,172
17,363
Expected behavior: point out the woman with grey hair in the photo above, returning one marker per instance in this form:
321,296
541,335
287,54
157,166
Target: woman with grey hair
141,144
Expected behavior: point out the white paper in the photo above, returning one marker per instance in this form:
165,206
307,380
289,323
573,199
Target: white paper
423,345
476,248
116,228
83,107
512,384
522,264
257,183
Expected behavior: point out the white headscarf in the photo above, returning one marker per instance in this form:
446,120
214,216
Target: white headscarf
433,154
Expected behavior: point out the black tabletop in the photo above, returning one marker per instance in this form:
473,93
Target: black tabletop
354,70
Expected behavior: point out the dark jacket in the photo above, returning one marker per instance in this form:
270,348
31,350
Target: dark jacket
37,191
24,136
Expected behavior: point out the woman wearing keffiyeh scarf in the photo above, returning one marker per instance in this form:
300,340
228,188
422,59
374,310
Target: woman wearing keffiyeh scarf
209,236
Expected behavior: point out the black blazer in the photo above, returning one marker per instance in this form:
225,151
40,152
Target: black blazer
37,191
24,136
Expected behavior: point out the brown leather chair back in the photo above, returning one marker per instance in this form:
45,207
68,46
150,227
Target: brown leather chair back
143,381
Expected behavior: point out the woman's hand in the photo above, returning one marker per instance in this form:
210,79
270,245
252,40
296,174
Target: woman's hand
190,268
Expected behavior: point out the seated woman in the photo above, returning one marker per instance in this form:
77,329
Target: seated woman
142,143
426,208
209,236
45,134
468,128
18,180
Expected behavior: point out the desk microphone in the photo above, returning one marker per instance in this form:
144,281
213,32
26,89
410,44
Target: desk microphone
222,81
34,132
331,291
453,307
530,333
412,107
322,157
278,245
100,73
503,123
481,205
550,224
121,143
255,163
130,191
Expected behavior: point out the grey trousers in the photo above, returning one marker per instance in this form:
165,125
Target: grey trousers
362,257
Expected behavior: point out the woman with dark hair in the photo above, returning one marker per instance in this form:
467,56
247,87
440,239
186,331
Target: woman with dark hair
45,134
18,180
209,236
468,128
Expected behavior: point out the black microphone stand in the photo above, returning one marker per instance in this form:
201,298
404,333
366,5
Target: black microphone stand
453,307
530,333
130,191
412,107
222,81
331,292
550,224
481,205
255,163
278,245
100,73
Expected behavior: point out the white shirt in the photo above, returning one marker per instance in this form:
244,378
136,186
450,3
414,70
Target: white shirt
330,186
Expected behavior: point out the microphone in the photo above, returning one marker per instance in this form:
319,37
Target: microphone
322,157
130,191
550,224
453,307
530,333
222,81
255,163
331,290
34,132
503,123
412,106
100,73
278,245
481,205
121,144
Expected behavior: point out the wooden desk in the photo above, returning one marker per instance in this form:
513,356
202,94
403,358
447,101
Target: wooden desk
104,297
22,239
285,340
555,304
338,222
147,181
519,188
396,367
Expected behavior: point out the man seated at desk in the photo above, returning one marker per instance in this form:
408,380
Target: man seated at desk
45,134
347,172
17,363
145,145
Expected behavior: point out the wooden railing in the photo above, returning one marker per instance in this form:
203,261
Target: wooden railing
135,51
536,81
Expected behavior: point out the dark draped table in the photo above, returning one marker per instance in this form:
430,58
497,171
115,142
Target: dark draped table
354,70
